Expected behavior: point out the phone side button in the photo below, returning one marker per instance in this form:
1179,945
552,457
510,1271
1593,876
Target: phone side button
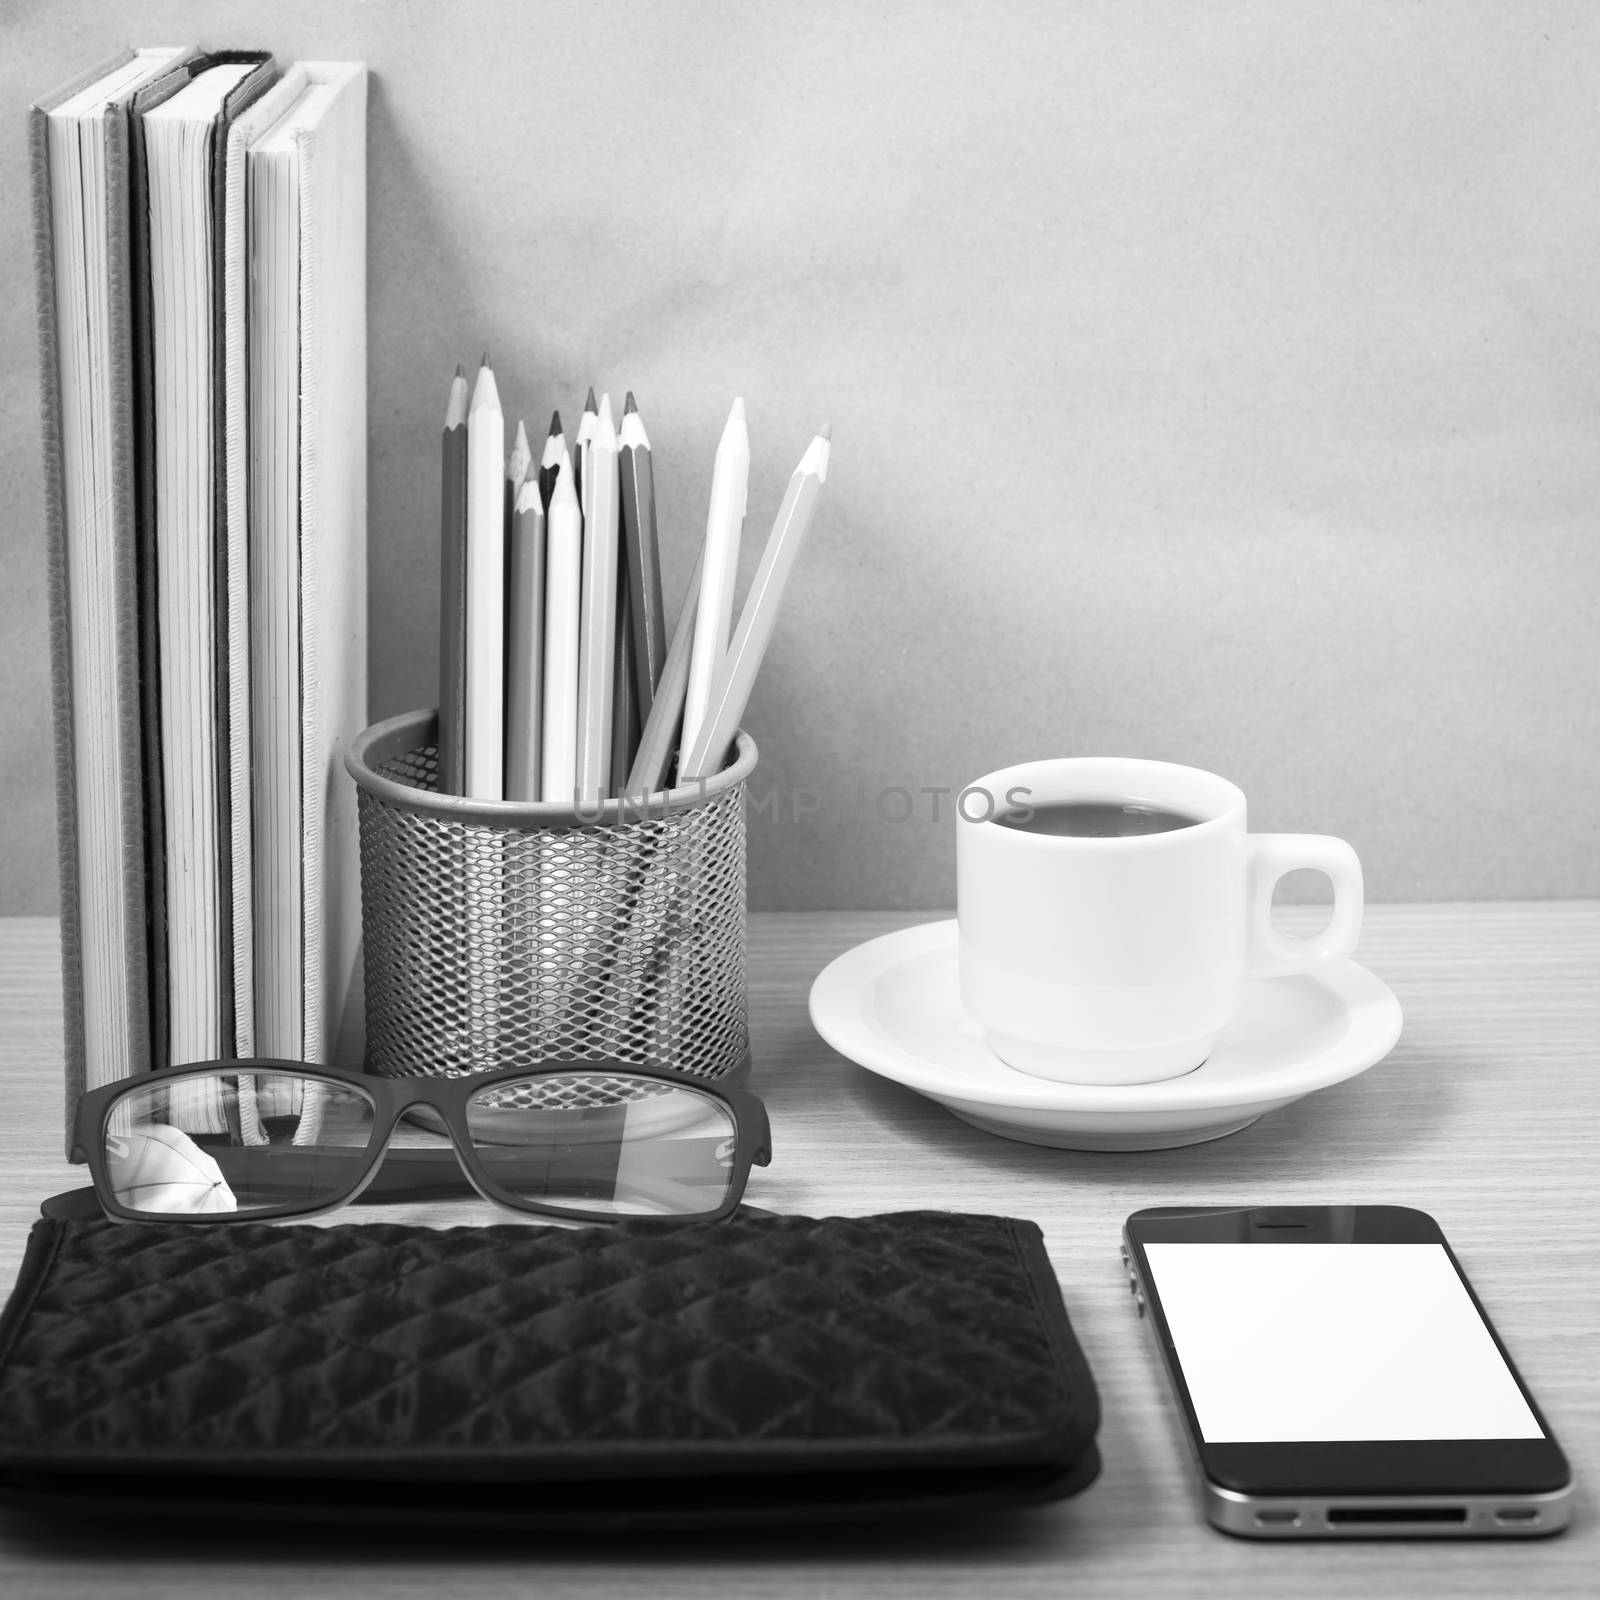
1138,1302
1277,1519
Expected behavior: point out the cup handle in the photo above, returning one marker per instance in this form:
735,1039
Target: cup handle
1276,955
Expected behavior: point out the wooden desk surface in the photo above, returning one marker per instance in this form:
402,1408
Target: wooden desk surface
1487,1114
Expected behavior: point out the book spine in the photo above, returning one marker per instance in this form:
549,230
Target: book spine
233,534
313,600
119,292
234,986
142,430
56,591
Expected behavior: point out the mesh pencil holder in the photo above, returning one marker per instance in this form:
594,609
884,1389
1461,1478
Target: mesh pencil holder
499,933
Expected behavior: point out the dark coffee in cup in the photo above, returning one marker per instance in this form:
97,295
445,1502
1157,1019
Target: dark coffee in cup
1095,819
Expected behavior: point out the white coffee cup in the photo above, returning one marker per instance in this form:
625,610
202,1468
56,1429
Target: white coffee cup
1121,960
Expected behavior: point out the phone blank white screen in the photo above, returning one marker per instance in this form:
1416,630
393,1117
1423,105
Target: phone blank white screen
1333,1341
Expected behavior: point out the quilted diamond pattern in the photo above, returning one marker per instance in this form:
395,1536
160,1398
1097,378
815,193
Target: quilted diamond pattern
913,1339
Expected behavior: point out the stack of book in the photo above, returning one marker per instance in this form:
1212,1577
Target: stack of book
201,249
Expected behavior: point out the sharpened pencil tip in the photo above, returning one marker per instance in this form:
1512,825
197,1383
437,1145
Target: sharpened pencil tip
485,392
588,405
555,425
459,372
563,497
628,407
825,431
485,362
605,414
631,435
455,412
520,459
737,413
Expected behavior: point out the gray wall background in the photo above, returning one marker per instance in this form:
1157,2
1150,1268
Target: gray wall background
1218,383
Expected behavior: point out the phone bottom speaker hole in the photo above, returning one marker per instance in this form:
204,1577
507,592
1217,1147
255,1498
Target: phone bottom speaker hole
1394,1514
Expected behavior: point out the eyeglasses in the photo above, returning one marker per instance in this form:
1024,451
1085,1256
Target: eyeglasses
235,1141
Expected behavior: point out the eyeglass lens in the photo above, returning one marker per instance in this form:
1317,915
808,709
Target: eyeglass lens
607,1142
211,1142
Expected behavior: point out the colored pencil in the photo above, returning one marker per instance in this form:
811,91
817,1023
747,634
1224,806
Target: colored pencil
580,453
550,462
597,650
624,696
563,587
517,465
525,645
730,481
453,589
637,472
653,759
730,694
486,589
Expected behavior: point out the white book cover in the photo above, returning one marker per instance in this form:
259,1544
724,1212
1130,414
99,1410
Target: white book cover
307,534
240,297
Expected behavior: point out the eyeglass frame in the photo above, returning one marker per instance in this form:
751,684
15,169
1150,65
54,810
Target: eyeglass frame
448,1096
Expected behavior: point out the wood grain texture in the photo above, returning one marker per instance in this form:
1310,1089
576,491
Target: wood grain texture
1486,1114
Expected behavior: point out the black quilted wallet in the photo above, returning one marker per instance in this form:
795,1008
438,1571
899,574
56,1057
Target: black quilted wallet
653,1374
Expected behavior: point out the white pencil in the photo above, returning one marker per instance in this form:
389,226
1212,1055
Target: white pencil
486,590
563,587
580,448
736,677
730,483
598,645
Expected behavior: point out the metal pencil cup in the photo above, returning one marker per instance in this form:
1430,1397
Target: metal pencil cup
499,933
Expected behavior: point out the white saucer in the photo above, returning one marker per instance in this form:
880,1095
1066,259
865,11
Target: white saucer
893,1005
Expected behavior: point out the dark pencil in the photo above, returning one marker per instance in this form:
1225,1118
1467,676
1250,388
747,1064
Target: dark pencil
525,646
659,739
550,461
643,556
563,599
453,592
624,696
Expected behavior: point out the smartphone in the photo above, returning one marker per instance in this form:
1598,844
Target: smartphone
1338,1377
